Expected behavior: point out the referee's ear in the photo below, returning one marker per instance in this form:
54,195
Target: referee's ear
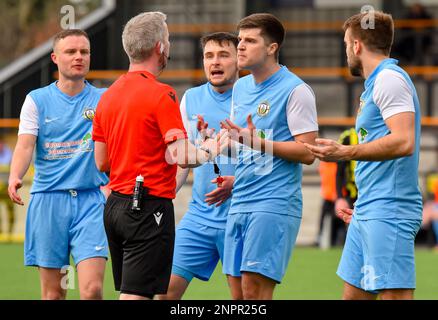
159,48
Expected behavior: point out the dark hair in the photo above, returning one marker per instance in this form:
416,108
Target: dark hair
67,33
220,38
271,28
379,38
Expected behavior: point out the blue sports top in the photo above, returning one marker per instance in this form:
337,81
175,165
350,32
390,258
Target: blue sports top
64,148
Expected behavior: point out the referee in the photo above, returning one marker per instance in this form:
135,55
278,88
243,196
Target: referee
139,133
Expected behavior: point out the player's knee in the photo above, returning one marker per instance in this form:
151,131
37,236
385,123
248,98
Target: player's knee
257,287
93,290
54,295
397,295
237,295
251,291
347,296
351,293
170,295
250,295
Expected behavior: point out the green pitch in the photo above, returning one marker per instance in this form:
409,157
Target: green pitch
311,275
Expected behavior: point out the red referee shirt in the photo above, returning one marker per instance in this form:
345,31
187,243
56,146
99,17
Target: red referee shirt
136,118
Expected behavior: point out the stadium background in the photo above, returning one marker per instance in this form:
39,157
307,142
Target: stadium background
313,49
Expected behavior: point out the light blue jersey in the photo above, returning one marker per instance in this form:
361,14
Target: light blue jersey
64,148
265,183
266,207
66,206
199,240
214,107
387,189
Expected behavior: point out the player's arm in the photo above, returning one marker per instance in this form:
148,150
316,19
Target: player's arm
302,122
181,177
20,164
101,156
23,153
293,151
186,155
400,142
301,118
100,147
394,98
207,133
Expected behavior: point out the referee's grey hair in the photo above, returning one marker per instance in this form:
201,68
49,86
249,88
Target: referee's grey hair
141,34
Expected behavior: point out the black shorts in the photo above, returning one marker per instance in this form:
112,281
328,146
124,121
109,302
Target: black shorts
141,243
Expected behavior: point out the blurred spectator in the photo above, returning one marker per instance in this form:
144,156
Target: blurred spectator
346,189
430,209
5,160
330,228
414,43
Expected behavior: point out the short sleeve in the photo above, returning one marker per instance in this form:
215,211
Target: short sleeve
392,94
169,118
98,134
29,123
301,111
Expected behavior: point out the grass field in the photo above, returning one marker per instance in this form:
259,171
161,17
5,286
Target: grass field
311,275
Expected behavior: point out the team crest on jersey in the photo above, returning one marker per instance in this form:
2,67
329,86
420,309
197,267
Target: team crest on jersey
361,104
263,109
89,114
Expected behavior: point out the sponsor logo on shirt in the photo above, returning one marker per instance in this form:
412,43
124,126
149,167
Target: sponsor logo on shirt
68,149
261,134
363,133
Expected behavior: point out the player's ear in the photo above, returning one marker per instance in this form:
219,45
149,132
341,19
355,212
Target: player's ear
357,47
273,47
54,58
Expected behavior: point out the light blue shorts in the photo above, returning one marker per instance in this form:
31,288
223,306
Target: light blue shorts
379,254
198,249
61,223
259,242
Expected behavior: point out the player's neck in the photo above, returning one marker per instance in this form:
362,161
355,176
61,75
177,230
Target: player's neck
149,65
70,87
263,72
371,62
222,89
